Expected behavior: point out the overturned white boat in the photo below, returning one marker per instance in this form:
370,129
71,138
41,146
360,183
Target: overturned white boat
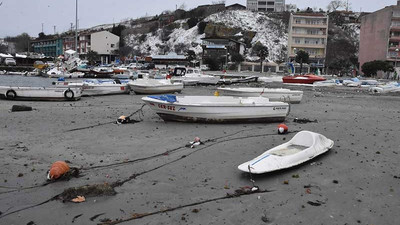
40,93
274,94
215,109
93,87
304,146
152,86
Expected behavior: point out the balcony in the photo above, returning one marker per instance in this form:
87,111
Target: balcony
394,38
310,25
308,35
302,45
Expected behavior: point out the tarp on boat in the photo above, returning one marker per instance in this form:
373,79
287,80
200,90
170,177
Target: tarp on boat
165,98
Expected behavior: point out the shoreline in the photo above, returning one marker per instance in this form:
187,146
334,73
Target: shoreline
355,182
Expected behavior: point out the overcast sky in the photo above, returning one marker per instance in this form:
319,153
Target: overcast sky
18,16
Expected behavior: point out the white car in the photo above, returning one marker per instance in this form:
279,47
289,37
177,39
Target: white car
204,68
10,62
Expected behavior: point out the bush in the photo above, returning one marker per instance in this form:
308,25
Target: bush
212,63
192,22
371,68
201,27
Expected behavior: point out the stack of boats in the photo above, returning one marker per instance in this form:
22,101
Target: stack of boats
93,87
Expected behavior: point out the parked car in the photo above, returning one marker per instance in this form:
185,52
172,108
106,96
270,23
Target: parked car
204,67
10,62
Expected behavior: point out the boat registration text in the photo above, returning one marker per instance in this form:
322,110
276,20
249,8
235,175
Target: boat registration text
167,107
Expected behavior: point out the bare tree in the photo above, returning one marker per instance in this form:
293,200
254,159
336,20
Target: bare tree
335,5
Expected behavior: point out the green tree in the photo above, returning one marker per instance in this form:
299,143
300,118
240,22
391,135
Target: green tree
190,55
302,57
92,57
201,27
21,42
192,22
371,68
237,58
261,51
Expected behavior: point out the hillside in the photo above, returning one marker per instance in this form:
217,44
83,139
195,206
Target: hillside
247,26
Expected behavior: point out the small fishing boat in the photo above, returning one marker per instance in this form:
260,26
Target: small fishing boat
273,94
391,87
217,109
93,87
40,93
238,80
193,76
152,86
304,146
102,70
302,79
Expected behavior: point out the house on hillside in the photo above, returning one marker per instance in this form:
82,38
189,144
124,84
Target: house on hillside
221,48
266,5
236,7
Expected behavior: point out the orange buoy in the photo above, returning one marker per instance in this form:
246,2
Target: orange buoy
282,129
58,169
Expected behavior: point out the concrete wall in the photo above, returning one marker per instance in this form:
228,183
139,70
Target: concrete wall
104,42
374,35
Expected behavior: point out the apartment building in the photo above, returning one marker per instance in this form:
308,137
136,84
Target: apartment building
308,32
266,5
103,42
380,36
52,46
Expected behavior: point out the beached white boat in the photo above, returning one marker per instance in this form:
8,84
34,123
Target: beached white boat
304,146
93,87
274,94
152,86
60,72
388,88
193,76
40,93
217,109
327,83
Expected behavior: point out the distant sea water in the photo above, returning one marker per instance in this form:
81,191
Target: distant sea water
18,80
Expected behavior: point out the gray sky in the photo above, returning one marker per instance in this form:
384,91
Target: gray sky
18,16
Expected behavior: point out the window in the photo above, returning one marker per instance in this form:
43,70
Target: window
262,3
112,45
270,3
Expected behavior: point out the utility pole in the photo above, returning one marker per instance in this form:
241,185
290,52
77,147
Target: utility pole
76,26
42,27
54,29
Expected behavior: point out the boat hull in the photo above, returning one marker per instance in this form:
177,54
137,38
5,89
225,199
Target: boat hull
302,79
219,112
40,93
155,87
303,147
281,95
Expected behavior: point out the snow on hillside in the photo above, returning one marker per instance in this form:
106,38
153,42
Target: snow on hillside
270,32
153,45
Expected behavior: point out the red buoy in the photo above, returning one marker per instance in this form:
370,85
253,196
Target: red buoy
282,129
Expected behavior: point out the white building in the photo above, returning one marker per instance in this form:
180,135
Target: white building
105,44
266,5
